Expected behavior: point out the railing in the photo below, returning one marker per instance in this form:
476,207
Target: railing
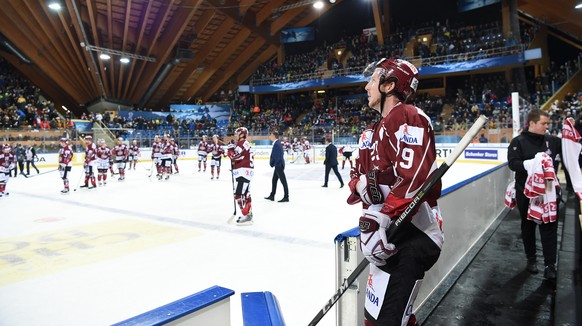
488,53
44,140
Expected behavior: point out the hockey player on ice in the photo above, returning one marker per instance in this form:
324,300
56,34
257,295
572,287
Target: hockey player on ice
121,152
242,172
175,155
7,163
306,150
217,153
103,161
90,162
202,153
157,155
65,163
133,154
396,156
346,152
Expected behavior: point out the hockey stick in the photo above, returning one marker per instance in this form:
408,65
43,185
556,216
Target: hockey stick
79,182
416,200
233,199
36,175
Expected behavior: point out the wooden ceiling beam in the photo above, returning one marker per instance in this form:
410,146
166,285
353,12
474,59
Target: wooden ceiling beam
83,58
17,30
229,8
199,58
122,66
219,62
284,19
234,66
313,15
245,5
49,88
110,41
164,44
141,31
46,29
92,11
267,11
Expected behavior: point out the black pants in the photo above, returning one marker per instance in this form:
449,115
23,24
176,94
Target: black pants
279,174
548,233
337,174
28,163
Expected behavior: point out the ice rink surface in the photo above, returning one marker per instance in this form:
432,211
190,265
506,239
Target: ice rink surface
100,256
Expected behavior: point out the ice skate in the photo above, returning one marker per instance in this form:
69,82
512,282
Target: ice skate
167,177
100,183
212,178
92,187
65,191
245,220
84,186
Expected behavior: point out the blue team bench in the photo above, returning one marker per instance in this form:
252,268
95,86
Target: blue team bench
261,309
207,307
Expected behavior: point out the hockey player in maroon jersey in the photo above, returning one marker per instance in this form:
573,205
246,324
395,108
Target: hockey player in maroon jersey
396,156
175,154
217,153
89,165
133,155
202,152
65,163
121,152
102,161
167,150
7,164
157,155
306,149
242,172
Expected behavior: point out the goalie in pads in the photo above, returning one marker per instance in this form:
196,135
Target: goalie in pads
396,156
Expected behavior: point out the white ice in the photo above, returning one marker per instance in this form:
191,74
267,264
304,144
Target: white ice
50,278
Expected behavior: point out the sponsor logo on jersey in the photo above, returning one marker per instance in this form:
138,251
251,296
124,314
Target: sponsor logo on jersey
410,135
372,298
366,139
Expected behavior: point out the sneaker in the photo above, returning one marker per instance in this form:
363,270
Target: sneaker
532,267
271,198
550,272
284,200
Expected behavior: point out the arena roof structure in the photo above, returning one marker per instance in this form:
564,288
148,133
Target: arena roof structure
178,50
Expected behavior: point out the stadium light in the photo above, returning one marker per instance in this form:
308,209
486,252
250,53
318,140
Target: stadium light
55,5
318,5
104,56
124,60
579,5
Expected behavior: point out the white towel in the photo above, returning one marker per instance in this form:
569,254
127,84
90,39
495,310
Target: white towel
570,152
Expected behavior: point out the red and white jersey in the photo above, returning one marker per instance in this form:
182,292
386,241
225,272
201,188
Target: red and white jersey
306,145
121,152
176,150
297,146
156,149
133,150
286,145
7,162
203,148
104,153
66,155
216,150
90,153
242,160
402,142
167,149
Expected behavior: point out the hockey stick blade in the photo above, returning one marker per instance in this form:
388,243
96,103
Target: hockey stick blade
416,200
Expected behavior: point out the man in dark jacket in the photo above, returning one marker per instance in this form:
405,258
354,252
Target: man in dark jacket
331,162
523,148
278,162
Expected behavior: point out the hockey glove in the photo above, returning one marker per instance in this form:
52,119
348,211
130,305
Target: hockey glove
373,240
369,188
